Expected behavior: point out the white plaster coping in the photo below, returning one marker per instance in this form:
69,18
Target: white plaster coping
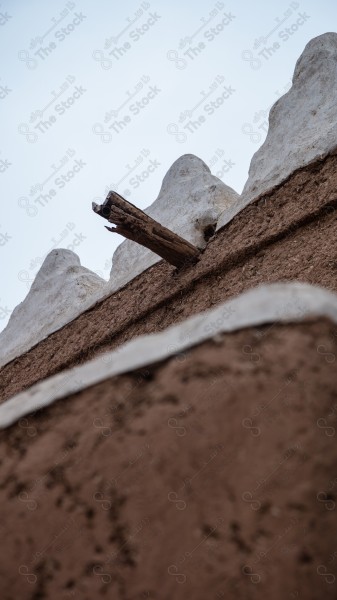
61,290
281,302
190,199
302,124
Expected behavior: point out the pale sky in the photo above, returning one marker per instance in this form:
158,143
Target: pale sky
107,95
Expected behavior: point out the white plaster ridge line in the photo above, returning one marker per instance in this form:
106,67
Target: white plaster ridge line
283,302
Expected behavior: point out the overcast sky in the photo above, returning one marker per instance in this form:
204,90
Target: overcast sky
107,95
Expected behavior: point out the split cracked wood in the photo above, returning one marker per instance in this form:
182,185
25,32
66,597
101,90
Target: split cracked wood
135,225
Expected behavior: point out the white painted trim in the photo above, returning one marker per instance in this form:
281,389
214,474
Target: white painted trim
280,302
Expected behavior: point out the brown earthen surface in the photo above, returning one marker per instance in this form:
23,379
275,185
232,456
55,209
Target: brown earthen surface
286,235
209,476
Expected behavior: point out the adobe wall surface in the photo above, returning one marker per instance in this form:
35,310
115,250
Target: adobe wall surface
206,476
200,462
286,235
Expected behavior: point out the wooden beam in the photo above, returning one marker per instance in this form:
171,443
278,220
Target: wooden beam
135,225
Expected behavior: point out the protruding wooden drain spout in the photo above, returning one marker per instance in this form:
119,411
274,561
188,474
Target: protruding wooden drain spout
135,225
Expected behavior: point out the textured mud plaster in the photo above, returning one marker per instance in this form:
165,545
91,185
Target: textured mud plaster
60,291
302,123
278,302
209,476
190,200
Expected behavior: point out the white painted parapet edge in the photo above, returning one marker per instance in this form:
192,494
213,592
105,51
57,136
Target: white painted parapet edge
279,302
302,124
61,290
